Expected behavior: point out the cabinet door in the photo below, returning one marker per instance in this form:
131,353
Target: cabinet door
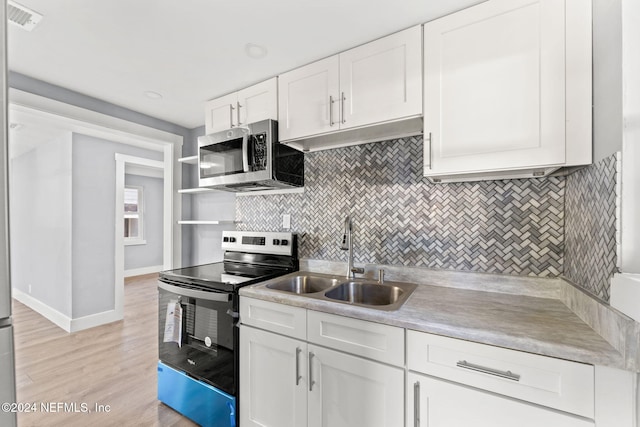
258,102
382,80
220,113
494,87
436,403
308,100
348,391
273,380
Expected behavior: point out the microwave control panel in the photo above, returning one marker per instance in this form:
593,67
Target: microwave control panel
259,152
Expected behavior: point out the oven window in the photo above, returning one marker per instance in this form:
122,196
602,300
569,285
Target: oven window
197,336
222,158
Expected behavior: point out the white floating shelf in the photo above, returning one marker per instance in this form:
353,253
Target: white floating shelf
192,160
203,222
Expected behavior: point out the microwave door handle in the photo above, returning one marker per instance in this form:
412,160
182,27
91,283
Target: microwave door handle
245,152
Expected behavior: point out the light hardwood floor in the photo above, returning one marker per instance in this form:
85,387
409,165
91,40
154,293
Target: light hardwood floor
113,365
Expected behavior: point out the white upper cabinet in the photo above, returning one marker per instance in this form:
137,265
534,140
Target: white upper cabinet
496,98
381,80
307,99
220,113
377,82
249,105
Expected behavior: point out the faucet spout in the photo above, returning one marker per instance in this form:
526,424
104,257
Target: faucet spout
347,245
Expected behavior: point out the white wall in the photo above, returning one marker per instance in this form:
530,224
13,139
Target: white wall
41,229
94,221
150,253
207,239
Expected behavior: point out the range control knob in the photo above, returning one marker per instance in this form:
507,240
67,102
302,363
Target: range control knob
276,242
284,242
232,239
225,239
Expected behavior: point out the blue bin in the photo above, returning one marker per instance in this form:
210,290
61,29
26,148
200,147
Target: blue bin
200,402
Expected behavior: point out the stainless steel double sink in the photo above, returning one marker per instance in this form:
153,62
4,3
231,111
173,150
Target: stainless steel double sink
361,292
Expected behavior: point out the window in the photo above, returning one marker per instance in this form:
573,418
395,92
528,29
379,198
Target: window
133,215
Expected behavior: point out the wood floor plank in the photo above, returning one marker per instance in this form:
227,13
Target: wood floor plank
113,365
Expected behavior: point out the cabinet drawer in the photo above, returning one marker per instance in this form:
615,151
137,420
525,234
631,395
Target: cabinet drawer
367,339
274,317
556,383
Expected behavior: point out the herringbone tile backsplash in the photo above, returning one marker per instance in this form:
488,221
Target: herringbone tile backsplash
400,218
590,229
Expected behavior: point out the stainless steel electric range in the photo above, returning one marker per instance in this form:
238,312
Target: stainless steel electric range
198,336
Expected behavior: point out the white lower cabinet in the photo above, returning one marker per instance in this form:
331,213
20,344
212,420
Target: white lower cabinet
297,381
273,379
433,402
349,391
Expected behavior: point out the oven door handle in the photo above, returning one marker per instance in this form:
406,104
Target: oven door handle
193,293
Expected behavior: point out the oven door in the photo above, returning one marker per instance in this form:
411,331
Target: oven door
197,334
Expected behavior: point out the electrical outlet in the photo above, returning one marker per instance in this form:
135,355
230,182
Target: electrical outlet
29,288
286,221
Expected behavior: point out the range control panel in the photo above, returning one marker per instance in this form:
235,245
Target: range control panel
264,242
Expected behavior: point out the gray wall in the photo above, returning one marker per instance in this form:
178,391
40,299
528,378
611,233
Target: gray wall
149,254
41,230
94,221
607,78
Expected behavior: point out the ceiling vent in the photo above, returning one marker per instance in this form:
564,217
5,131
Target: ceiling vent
21,16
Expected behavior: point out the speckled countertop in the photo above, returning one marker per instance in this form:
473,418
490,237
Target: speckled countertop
527,323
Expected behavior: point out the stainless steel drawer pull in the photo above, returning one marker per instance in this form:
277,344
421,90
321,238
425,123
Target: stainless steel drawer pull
502,374
416,404
298,376
311,381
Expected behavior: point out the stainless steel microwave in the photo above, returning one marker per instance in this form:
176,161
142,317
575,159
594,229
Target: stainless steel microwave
249,158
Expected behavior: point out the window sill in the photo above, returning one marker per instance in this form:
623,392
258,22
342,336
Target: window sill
134,242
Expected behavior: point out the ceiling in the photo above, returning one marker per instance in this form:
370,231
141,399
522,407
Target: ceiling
190,51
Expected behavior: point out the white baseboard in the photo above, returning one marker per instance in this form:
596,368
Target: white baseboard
143,270
43,309
61,320
93,320
625,294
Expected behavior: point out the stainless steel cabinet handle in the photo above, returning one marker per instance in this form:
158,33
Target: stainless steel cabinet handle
502,374
429,152
238,112
298,376
342,99
331,101
416,404
311,381
231,114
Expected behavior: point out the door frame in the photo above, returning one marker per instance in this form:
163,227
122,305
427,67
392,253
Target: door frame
122,160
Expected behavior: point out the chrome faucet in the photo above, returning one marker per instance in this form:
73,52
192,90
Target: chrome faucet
347,245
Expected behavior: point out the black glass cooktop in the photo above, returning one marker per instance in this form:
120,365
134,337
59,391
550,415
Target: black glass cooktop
221,276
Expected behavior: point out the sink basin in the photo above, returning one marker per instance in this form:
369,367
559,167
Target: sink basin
365,293
385,296
303,284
